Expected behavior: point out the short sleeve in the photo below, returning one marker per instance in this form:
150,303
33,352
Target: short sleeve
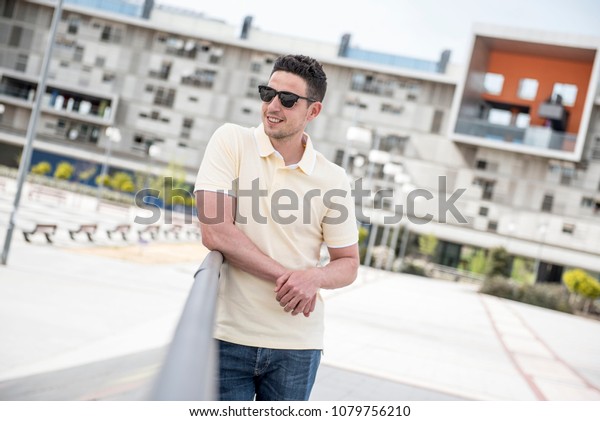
220,164
339,224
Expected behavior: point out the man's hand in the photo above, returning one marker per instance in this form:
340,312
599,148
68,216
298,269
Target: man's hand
297,290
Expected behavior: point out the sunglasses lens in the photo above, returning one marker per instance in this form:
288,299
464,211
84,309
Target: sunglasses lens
288,99
266,94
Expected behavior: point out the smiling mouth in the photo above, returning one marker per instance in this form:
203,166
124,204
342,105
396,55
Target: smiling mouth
274,120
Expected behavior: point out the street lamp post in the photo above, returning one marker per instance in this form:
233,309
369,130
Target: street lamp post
31,130
114,136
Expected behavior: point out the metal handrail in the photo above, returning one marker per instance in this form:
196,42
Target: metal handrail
190,369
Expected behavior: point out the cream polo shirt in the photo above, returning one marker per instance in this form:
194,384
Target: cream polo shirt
290,213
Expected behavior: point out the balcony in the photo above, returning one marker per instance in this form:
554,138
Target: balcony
534,136
85,107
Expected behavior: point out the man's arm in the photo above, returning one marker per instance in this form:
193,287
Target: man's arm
296,290
216,212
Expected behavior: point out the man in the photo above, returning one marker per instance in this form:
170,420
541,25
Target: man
268,201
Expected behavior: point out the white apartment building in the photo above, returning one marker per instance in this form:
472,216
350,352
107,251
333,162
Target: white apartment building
529,163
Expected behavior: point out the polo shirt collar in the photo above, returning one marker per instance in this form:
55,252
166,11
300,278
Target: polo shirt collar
265,148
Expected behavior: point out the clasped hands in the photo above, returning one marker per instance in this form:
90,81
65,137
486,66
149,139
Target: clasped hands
297,290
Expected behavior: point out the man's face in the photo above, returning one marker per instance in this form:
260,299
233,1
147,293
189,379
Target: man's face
288,123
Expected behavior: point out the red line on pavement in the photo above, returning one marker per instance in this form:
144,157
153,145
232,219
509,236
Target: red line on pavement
556,357
528,379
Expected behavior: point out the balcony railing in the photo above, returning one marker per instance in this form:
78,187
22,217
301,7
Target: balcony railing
533,136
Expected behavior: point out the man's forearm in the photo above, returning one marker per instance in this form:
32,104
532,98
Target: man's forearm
339,273
241,252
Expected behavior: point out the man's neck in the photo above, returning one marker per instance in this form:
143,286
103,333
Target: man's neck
290,150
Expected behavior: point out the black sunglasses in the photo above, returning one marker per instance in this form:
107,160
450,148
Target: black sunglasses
287,99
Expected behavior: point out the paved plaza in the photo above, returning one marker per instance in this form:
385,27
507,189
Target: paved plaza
81,320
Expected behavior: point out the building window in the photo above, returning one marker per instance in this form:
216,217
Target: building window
188,123
9,8
193,99
436,123
105,36
547,203
483,211
493,83
567,93
15,36
164,97
500,117
527,89
78,54
487,187
587,202
481,164
393,144
200,79
392,109
163,73
596,148
523,120
100,61
108,77
568,228
567,175
73,26
149,88
492,226
21,64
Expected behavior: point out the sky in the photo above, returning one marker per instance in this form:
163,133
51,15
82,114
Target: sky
414,28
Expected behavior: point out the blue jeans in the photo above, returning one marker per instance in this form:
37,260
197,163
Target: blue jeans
246,373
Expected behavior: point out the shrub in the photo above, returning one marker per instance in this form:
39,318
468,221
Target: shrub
41,168
64,171
103,180
553,297
122,181
413,269
580,283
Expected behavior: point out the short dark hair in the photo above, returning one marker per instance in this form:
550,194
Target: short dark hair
308,69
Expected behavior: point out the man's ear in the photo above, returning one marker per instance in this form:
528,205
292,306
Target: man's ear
314,110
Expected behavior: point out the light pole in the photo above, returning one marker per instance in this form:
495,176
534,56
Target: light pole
113,135
31,130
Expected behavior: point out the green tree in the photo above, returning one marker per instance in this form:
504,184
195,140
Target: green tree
498,263
478,262
582,284
64,171
41,168
428,245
